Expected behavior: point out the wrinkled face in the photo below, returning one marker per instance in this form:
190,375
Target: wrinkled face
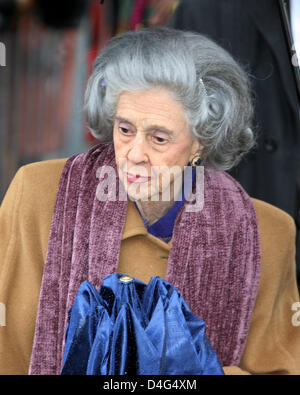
152,142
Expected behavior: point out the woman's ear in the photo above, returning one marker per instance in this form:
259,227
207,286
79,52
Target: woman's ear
197,149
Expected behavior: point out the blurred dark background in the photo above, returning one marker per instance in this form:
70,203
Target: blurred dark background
50,47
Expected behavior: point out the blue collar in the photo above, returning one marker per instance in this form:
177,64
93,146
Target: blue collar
163,228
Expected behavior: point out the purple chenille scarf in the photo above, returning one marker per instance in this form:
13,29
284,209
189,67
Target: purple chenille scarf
214,259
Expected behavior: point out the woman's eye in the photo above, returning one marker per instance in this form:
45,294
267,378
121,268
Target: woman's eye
160,140
124,130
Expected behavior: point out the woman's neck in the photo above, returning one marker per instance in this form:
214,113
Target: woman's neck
153,211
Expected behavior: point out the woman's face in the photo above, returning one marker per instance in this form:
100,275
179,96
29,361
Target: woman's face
152,142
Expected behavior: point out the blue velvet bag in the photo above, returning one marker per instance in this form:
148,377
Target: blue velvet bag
128,327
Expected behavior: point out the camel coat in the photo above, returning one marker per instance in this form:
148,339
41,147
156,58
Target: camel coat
273,343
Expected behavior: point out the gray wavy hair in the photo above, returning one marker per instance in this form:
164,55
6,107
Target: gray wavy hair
212,87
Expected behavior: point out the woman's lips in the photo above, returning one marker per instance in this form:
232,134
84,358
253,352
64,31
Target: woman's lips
136,178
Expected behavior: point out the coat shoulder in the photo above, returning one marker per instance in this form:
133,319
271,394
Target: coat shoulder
273,220
277,231
31,198
46,172
40,181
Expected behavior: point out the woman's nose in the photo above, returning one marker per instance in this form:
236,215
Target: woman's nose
137,152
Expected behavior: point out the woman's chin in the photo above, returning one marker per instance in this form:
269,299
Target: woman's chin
139,196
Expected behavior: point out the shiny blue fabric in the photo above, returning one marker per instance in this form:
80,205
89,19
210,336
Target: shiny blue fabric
135,329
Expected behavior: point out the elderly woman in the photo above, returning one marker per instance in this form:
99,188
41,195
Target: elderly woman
162,102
